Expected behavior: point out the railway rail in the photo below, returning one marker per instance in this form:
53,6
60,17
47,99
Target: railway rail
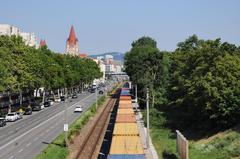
89,145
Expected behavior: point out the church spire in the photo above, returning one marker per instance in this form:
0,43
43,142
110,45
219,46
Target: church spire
72,43
72,40
42,43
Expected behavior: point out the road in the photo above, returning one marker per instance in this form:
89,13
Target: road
26,138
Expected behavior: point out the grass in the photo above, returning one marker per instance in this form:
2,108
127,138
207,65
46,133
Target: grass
57,149
221,145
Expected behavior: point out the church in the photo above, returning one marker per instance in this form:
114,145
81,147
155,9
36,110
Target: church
72,46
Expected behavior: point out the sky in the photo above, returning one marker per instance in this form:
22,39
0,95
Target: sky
112,25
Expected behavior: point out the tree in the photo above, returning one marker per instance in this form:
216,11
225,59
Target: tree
143,65
204,80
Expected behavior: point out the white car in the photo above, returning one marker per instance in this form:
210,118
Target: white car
57,100
12,116
51,102
78,109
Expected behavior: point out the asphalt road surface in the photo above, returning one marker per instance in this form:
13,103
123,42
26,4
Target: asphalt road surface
26,138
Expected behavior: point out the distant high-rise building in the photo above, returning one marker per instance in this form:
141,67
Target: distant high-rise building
72,47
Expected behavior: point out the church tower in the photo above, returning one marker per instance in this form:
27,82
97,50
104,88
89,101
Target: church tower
72,47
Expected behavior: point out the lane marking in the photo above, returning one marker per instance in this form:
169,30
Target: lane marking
20,150
3,146
28,144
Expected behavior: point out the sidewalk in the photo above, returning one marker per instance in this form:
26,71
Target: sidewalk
150,152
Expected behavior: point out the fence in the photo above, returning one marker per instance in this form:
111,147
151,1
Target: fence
182,146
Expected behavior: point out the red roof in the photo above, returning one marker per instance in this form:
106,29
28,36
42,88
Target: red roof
72,39
42,43
83,55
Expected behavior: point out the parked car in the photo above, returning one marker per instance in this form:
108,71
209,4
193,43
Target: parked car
93,90
19,114
11,116
78,109
62,98
37,106
2,122
28,111
57,100
100,92
74,95
47,104
51,102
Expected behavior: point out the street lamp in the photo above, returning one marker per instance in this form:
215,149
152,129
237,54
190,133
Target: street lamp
65,125
147,139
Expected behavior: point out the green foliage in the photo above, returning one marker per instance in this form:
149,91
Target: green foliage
145,65
26,68
205,80
196,90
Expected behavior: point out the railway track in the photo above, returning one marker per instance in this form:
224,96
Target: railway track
89,145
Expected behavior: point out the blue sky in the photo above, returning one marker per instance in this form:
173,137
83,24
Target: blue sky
111,25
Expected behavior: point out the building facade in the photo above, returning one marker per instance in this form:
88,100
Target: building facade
72,46
9,30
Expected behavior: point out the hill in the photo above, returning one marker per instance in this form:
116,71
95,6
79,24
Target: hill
118,56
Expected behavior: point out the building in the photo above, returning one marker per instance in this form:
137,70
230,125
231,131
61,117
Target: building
42,43
72,47
29,39
6,29
9,30
83,55
102,69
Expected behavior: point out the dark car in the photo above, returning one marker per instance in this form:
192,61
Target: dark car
2,122
74,95
93,90
47,104
100,92
36,106
62,98
28,111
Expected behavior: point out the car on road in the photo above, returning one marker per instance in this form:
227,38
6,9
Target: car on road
11,116
2,122
28,111
78,109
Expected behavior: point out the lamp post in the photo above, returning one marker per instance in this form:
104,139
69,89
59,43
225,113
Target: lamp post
65,125
147,139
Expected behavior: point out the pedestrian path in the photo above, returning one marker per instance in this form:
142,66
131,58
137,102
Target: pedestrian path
150,152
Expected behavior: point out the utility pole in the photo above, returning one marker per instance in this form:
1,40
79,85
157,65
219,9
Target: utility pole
136,100
65,126
147,140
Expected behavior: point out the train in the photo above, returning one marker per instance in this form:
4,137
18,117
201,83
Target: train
126,142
